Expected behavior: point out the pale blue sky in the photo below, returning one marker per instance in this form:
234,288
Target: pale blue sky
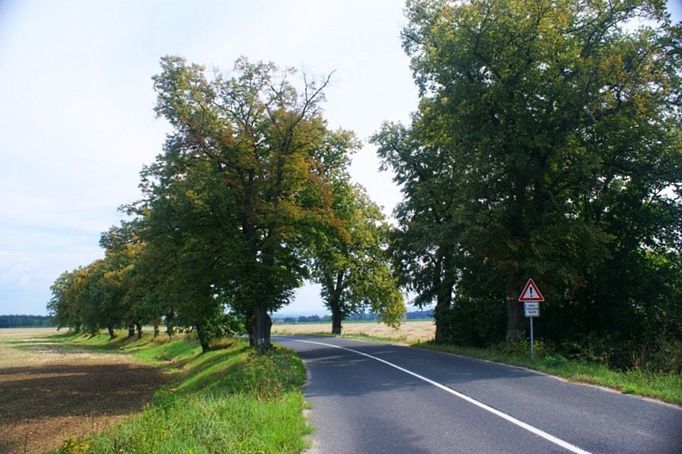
76,118
76,100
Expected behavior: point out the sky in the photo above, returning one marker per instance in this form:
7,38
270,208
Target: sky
77,121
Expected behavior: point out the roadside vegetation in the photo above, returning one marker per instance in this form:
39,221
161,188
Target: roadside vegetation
228,400
547,144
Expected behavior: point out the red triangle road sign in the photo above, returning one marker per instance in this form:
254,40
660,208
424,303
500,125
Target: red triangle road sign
530,292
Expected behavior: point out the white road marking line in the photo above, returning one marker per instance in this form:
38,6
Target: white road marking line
511,419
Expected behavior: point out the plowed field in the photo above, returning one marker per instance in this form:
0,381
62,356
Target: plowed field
50,392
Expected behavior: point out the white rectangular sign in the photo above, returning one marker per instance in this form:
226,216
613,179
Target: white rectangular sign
531,308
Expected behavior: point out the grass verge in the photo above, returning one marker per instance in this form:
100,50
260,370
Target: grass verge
224,401
665,387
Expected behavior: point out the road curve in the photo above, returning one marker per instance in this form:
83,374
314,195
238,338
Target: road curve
378,398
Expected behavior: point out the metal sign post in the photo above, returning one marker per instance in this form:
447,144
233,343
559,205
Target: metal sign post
531,297
532,343
531,309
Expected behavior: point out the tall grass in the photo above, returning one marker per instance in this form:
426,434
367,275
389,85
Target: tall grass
223,401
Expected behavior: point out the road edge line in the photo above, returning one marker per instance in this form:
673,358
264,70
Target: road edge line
532,429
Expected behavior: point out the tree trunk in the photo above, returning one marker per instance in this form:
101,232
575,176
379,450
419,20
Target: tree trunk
262,331
169,323
336,320
131,329
516,327
203,338
444,284
157,323
138,326
335,303
439,316
112,333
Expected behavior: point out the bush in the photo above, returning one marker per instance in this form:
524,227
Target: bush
476,323
655,354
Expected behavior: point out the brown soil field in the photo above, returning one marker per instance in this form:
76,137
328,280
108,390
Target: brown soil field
51,392
408,332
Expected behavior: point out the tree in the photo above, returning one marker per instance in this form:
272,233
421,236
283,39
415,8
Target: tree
256,138
538,120
425,242
61,305
351,263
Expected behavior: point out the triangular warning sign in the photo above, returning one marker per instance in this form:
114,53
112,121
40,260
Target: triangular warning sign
530,292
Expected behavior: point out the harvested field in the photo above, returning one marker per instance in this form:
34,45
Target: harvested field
409,332
51,392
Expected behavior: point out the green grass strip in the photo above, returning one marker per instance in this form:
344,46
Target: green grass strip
224,401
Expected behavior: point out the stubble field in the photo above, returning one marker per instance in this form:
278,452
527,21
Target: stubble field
50,392
408,332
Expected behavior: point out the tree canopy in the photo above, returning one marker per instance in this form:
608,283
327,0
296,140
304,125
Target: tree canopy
234,212
546,144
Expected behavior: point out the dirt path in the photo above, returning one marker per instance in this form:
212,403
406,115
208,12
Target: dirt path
50,393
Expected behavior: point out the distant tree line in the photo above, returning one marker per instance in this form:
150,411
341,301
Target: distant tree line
26,321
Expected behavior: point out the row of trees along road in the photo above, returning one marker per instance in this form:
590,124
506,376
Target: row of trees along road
250,197
547,144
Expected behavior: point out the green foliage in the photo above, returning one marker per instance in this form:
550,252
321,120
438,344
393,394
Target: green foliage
351,263
224,231
477,322
546,144
241,186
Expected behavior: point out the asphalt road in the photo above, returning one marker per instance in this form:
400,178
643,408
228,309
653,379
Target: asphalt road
377,398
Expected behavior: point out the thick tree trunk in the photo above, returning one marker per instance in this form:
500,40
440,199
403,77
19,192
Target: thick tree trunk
516,327
157,330
169,323
112,333
203,338
336,321
131,329
335,303
261,335
439,316
138,326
